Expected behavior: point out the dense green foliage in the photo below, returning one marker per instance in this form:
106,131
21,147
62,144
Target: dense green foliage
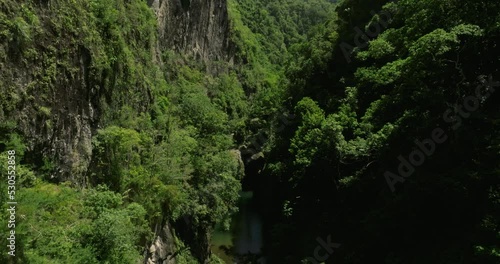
358,114
62,225
165,149
264,32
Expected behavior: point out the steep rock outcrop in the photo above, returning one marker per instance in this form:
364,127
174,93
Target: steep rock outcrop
163,248
197,28
60,79
55,116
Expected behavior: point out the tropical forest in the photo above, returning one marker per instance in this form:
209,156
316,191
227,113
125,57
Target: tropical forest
250,131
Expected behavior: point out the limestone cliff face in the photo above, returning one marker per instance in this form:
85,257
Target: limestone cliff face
163,248
56,91
56,121
197,28
55,96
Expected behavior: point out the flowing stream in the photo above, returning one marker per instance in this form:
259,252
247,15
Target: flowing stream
245,236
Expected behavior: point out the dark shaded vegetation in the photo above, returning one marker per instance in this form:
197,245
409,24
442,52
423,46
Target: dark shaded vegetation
357,118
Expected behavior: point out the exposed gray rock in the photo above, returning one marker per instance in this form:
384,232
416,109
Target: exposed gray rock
197,28
57,122
163,248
